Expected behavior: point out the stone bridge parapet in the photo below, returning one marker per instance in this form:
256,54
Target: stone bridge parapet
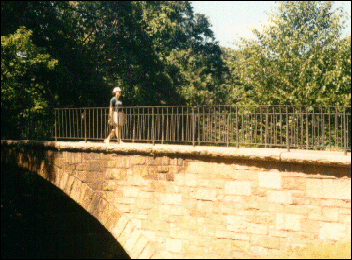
175,201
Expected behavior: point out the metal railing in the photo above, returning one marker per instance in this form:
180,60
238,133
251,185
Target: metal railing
323,128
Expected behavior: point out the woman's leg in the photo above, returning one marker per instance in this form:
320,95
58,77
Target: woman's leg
119,133
111,135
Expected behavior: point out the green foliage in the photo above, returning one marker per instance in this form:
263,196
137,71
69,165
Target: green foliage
186,46
24,71
298,59
72,53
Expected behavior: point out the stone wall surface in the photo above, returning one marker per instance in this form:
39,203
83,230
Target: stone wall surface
168,201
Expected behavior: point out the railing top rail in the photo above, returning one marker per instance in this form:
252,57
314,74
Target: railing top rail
263,106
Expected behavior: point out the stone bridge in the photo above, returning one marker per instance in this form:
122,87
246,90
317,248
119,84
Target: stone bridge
173,201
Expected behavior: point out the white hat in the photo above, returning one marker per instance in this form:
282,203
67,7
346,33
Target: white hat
116,90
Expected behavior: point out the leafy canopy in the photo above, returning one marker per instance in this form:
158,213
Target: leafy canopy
299,58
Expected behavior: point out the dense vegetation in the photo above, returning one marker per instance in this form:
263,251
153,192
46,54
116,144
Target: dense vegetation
72,53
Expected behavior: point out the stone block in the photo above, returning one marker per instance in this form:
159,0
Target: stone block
147,252
294,183
171,198
270,180
82,175
63,180
110,185
236,223
259,217
257,228
290,222
331,214
334,231
192,250
140,170
76,190
222,169
204,194
69,167
174,245
231,235
345,219
116,174
329,188
280,197
205,206
265,241
69,183
211,183
260,192
119,227
87,196
179,233
131,241
310,226
101,206
186,222
73,157
159,160
198,167
179,179
259,250
138,160
111,164
130,191
178,211
126,233
138,247
191,179
96,166
297,209
142,203
92,156
238,188
336,203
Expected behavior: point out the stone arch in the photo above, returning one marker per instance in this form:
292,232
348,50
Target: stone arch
134,242
39,158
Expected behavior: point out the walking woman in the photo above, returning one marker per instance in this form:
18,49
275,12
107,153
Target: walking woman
116,116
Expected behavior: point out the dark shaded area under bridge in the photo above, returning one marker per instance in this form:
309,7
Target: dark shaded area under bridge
40,221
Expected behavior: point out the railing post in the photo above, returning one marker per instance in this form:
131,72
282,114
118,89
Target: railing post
85,124
134,121
266,126
55,124
287,130
153,137
193,127
344,131
237,137
227,126
307,130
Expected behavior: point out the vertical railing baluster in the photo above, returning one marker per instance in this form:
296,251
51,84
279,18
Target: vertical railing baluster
266,128
85,124
193,127
307,130
55,124
153,128
287,130
344,131
237,137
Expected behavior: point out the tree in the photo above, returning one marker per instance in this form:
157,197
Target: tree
298,59
186,46
25,69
